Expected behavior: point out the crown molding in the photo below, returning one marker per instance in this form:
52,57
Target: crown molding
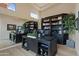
43,7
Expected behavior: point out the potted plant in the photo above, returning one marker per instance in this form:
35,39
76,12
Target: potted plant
69,24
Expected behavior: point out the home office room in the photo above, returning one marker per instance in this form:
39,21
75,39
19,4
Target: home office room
39,29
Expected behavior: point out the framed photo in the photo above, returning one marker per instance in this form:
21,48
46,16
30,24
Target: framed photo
11,27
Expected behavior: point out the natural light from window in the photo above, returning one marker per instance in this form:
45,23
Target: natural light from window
11,6
34,15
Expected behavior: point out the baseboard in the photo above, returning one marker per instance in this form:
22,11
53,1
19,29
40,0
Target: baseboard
10,46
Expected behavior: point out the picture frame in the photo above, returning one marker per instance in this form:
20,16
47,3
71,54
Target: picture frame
11,27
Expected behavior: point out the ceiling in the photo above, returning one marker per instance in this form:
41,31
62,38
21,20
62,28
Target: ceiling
38,6
42,6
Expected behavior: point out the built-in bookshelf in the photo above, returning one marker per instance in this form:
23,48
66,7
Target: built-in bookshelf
30,25
55,24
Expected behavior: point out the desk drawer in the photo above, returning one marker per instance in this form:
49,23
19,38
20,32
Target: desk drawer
44,41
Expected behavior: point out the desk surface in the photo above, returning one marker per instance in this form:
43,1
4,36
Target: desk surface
48,38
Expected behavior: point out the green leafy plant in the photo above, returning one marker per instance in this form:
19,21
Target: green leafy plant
34,33
69,23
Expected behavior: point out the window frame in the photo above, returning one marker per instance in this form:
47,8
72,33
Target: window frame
34,15
11,6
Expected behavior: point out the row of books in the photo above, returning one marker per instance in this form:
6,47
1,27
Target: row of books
55,23
53,19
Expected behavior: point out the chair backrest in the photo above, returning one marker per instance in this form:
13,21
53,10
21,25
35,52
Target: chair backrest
47,33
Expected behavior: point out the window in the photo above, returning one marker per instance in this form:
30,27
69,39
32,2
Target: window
11,6
34,15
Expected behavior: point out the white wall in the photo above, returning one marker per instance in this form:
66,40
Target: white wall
77,33
4,20
0,28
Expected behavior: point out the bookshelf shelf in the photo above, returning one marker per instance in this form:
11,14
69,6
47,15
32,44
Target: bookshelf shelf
56,27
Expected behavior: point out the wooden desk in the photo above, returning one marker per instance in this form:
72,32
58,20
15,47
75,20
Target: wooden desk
34,45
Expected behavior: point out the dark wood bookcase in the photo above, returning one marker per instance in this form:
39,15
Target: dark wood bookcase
30,25
55,25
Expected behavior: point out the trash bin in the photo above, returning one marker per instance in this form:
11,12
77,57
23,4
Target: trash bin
70,43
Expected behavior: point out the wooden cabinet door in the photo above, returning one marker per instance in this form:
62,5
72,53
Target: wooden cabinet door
32,44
